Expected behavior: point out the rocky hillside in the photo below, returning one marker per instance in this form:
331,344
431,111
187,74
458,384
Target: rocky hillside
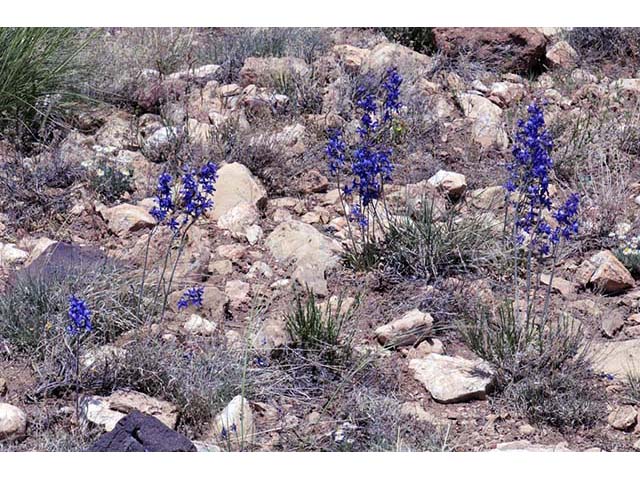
325,240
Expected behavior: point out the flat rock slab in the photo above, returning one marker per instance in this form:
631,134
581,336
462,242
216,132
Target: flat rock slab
617,358
138,432
108,411
527,446
453,379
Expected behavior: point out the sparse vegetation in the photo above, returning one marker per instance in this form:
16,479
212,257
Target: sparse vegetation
370,153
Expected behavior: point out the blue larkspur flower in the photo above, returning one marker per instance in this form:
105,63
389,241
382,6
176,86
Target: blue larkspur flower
194,195
191,296
79,317
368,161
529,179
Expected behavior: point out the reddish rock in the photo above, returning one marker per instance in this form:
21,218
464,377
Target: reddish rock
519,50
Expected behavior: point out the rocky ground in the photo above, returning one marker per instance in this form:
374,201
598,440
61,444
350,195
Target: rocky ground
230,375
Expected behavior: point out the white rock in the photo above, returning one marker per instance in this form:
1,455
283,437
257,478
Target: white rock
203,73
409,329
527,446
126,218
238,219
253,234
11,255
236,185
311,252
13,422
452,379
562,55
238,292
161,138
38,248
235,423
452,183
623,418
99,357
617,358
197,325
487,129
107,411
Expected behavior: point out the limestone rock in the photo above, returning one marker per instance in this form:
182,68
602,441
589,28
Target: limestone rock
13,422
566,288
562,55
351,57
203,74
238,292
262,71
238,219
623,418
101,357
605,272
126,218
236,185
486,117
452,379
617,358
488,198
506,93
310,252
527,446
119,132
108,411
453,184
235,424
12,255
197,325
387,55
427,347
409,329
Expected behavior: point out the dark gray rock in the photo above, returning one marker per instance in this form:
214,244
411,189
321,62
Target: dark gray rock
138,432
62,260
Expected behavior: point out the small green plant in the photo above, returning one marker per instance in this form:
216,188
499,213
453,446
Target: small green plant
422,245
517,344
111,183
628,249
633,387
303,91
314,329
564,399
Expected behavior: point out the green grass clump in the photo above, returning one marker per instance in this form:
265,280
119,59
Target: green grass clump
422,245
314,329
37,70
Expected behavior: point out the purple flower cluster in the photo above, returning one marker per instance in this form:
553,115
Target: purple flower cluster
191,296
79,317
370,158
529,180
194,195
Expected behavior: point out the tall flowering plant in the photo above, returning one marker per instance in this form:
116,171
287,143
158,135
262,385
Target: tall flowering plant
362,170
179,204
538,229
79,323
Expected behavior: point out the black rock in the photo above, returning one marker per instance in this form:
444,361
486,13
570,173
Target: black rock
138,432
